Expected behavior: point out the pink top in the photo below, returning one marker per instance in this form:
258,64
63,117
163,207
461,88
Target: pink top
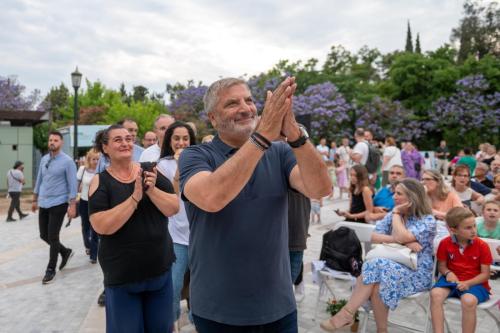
452,200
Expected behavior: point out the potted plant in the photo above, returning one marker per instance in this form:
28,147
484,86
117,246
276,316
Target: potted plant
333,306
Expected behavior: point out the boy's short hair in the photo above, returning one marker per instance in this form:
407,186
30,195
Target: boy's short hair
492,201
457,215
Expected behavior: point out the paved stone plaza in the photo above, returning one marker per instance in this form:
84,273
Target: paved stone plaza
69,303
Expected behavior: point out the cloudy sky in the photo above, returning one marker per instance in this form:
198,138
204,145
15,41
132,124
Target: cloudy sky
154,42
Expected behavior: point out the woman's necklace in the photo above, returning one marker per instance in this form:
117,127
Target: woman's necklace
115,174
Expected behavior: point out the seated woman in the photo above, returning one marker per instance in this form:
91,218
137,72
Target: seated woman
361,201
383,281
442,200
128,203
461,185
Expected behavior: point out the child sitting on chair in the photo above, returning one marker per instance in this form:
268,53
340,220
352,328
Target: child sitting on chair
464,262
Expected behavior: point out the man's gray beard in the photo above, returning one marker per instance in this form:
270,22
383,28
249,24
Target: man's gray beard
235,130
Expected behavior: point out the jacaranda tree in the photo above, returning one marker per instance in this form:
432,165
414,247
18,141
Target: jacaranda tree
330,113
469,116
383,118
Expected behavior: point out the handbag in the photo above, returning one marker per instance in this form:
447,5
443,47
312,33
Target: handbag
395,252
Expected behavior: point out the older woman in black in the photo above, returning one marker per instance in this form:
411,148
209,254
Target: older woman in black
128,203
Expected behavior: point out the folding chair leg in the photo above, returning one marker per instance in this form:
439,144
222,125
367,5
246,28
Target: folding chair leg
321,291
363,324
446,325
492,315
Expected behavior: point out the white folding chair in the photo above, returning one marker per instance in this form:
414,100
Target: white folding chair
364,233
490,306
421,299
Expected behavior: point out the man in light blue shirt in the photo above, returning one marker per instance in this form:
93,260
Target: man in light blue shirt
383,200
131,126
55,195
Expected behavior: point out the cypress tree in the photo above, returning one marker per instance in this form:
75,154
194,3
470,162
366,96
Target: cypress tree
417,45
409,42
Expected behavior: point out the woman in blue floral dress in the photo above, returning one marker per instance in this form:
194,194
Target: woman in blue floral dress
383,281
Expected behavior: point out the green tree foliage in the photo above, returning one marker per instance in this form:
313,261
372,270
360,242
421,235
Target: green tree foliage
409,41
417,80
140,93
418,49
57,102
478,32
41,136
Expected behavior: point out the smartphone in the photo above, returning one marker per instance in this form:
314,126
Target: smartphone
146,167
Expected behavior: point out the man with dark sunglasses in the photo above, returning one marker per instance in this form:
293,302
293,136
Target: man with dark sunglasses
383,201
54,196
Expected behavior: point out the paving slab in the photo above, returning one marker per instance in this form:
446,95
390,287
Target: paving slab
69,304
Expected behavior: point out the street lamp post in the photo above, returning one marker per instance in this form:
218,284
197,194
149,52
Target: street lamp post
76,79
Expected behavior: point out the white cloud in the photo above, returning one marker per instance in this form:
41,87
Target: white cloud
155,42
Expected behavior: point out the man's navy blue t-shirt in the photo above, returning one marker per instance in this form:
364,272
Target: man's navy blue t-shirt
238,257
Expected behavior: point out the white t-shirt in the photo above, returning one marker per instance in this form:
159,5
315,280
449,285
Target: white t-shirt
323,149
151,154
85,176
362,149
14,180
395,154
344,153
178,225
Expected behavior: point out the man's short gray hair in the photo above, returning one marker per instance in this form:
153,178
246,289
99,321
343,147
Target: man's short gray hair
212,94
161,116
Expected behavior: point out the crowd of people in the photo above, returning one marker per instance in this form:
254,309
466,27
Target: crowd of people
229,216
448,213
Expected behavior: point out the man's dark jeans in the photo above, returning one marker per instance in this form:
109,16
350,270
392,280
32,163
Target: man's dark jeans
287,324
50,221
15,203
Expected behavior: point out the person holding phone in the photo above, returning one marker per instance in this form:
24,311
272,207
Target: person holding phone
128,203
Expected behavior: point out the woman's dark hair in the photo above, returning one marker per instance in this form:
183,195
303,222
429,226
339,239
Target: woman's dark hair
102,138
361,177
166,148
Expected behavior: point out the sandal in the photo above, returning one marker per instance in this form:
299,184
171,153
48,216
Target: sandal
329,326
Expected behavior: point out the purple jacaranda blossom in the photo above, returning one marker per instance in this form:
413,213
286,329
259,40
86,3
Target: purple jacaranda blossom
12,96
470,110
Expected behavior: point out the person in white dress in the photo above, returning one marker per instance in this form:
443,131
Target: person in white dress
178,136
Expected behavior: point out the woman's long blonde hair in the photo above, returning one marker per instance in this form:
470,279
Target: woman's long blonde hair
91,153
442,189
420,204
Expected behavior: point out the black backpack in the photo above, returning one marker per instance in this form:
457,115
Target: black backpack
373,160
341,250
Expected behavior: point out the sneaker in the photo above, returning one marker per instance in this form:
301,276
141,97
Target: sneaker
10,219
102,299
93,261
49,276
65,258
22,216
